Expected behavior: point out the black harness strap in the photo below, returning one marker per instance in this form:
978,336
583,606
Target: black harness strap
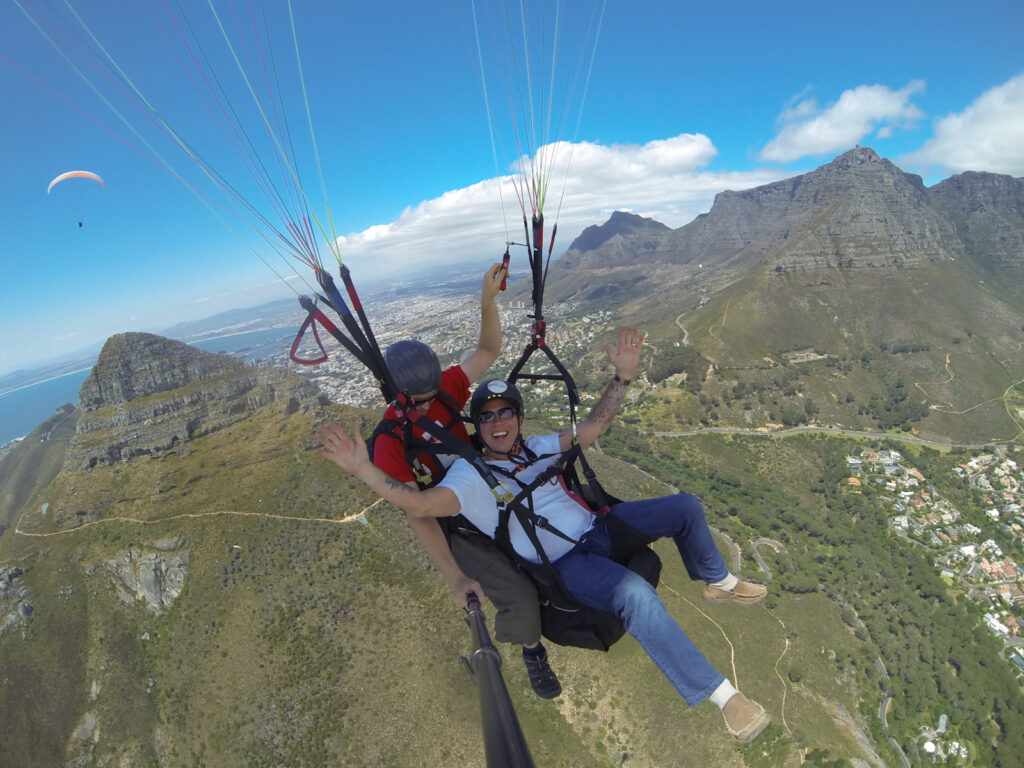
522,506
445,443
406,410
530,521
401,429
549,583
413,446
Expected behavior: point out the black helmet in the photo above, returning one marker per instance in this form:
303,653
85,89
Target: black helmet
494,389
413,366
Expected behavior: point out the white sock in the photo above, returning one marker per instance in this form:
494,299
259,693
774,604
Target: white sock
722,694
728,583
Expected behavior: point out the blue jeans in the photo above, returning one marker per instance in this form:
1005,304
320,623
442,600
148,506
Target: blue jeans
601,583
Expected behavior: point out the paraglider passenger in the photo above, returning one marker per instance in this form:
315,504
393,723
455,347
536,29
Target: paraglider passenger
469,561
580,554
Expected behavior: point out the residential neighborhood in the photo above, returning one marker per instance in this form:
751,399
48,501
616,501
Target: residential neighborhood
965,546
451,326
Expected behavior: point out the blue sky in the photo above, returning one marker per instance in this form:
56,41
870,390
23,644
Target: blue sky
682,101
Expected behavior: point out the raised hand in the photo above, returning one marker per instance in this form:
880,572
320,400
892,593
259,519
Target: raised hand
626,358
347,451
492,281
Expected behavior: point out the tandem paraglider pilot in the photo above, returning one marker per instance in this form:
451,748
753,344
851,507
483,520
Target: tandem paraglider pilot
574,541
470,562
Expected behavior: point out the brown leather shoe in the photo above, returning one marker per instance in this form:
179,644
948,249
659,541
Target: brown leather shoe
744,718
744,593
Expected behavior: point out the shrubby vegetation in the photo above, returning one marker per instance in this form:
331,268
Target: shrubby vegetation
681,360
939,657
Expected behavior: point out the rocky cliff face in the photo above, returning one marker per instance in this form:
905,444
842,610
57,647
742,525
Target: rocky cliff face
151,395
15,606
987,211
154,578
622,233
859,211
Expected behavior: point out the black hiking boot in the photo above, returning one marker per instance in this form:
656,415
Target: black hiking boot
542,677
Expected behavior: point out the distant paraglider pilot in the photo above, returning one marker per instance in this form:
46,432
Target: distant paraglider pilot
75,175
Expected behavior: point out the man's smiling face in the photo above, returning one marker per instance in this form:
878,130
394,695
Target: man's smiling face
500,430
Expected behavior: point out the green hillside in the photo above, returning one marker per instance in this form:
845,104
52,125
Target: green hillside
28,466
308,634
934,351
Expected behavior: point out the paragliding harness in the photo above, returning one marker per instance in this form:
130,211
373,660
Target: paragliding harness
444,442
564,620
413,447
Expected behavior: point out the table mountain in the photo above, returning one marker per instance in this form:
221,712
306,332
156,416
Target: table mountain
859,211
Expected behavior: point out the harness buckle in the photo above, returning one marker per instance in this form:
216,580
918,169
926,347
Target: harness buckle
503,494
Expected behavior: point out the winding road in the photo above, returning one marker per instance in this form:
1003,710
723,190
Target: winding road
778,546
790,431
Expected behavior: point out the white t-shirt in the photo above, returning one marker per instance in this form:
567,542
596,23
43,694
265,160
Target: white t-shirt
565,511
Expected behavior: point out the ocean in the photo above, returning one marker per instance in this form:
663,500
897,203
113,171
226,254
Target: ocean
24,409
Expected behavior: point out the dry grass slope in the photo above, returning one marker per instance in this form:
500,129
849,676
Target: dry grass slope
303,634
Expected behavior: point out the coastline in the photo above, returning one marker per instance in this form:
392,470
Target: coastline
24,407
7,392
191,342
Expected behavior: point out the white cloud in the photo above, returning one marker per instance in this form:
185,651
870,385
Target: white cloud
987,136
662,180
809,130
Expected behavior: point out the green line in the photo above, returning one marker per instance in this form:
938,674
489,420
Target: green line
333,239
266,121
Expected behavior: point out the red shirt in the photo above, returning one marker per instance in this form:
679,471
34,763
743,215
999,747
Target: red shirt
388,453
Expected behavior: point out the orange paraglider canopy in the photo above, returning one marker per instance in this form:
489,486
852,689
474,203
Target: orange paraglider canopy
75,175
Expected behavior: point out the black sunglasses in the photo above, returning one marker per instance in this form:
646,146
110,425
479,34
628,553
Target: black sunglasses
422,400
486,417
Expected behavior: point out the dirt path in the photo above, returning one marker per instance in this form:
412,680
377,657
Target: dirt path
358,517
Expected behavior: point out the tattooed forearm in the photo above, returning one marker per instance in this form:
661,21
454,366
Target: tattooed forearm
390,482
608,406
408,497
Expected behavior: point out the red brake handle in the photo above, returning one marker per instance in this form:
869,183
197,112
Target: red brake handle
309,321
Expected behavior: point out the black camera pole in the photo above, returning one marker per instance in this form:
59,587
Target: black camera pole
504,742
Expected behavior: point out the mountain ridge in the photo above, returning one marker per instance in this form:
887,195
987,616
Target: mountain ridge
620,223
915,295
858,211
